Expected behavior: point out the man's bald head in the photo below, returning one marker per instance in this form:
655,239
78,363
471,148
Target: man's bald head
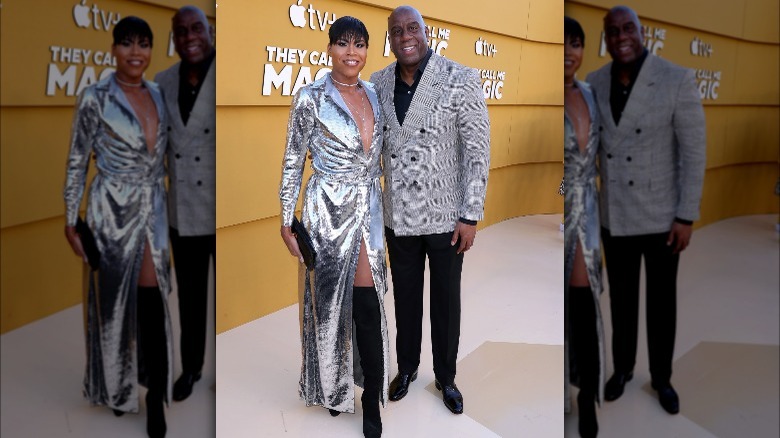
186,10
623,10
406,9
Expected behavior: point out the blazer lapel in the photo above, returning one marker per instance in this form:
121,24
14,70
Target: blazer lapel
602,99
204,104
386,96
425,96
641,94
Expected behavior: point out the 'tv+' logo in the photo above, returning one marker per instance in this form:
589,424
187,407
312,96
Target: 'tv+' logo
100,20
298,16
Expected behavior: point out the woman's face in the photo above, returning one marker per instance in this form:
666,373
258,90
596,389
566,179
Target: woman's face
349,58
132,58
572,57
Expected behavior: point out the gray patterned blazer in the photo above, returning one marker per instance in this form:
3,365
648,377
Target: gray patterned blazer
651,164
191,156
435,165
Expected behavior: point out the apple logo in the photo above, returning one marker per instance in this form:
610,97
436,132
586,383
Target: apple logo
695,46
297,17
81,14
478,46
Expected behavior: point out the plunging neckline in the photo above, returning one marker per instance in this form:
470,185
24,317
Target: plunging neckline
365,151
151,152
582,151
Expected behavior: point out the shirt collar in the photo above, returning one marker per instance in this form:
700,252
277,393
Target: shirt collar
420,68
635,67
202,67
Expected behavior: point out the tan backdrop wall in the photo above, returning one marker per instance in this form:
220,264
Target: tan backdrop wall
255,273
735,48
45,59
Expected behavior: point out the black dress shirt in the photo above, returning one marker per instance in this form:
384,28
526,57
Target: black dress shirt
405,92
188,93
619,93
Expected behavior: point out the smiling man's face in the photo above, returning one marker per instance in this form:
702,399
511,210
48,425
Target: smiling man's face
192,36
623,35
407,36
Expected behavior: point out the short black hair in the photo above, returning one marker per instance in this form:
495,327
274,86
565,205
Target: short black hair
131,27
573,30
347,28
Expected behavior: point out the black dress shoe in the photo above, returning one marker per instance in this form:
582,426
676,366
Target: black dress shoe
452,397
118,413
183,386
400,385
614,387
668,398
333,412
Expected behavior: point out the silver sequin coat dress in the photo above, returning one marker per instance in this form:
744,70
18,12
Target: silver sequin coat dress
581,224
126,208
342,205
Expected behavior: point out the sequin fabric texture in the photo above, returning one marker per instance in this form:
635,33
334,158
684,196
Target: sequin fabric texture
342,205
126,209
581,223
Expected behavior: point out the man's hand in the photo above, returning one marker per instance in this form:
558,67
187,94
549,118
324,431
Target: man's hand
466,234
679,237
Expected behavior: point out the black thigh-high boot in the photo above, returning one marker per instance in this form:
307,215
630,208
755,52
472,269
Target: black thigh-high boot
365,312
586,349
151,332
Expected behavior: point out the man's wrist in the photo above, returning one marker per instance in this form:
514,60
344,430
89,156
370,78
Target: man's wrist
683,221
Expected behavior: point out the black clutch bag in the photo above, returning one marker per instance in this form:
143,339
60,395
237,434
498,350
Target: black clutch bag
88,244
304,243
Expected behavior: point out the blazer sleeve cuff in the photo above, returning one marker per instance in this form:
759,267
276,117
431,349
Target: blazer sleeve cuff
683,221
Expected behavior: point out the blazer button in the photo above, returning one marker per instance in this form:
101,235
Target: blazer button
199,183
609,156
414,158
628,159
384,128
392,155
638,131
197,158
422,130
414,183
206,131
178,156
631,183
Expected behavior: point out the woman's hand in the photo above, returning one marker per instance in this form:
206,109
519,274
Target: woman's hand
75,242
292,244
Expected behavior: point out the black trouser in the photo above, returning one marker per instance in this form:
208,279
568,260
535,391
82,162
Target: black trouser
191,261
153,351
407,263
368,334
584,339
623,258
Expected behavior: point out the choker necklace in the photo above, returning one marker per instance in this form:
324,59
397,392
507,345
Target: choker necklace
129,84
343,84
